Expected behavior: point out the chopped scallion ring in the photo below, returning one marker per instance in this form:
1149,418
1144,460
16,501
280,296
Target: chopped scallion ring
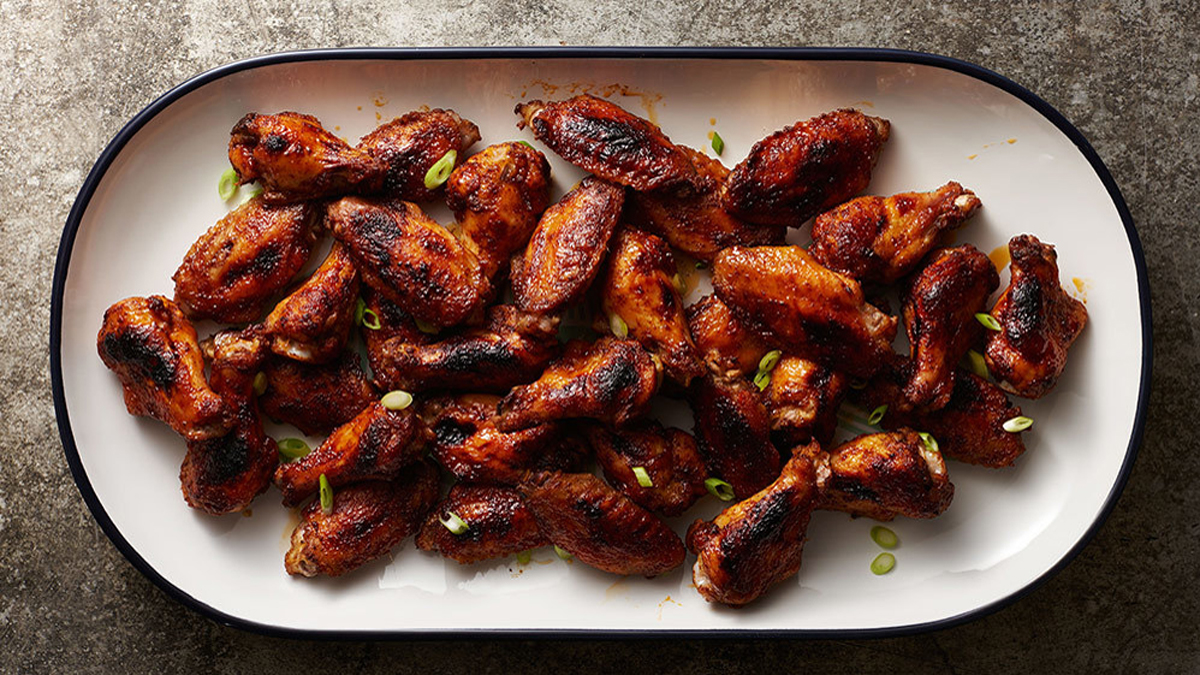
700,264
884,537
453,523
978,363
618,326
761,380
561,553
718,143
524,557
396,400
228,185
858,384
440,171
929,441
989,322
359,308
643,478
260,383
292,448
877,415
883,563
719,489
526,144
326,496
678,281
370,320
769,360
254,193
426,327
1018,424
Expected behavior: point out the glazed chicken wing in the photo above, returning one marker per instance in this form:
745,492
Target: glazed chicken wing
409,146
498,525
730,347
152,348
296,159
567,247
409,259
880,240
368,520
802,170
604,139
497,197
733,432
758,542
939,313
610,380
669,457
316,398
1038,322
382,321
810,308
313,323
802,401
239,265
601,527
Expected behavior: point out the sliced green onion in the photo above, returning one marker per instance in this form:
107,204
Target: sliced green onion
426,327
858,384
526,144
643,478
370,319
227,186
618,326
1018,424
883,563
719,489
561,553
453,523
396,400
769,360
989,322
718,144
700,264
524,557
978,363
254,192
359,308
440,171
292,448
678,281
326,496
877,415
761,380
260,383
929,441
884,537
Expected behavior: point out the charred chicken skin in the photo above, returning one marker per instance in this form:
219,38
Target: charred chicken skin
392,322
802,401
1038,322
239,265
499,524
368,520
733,432
729,346
313,323
669,457
316,398
409,146
880,240
802,170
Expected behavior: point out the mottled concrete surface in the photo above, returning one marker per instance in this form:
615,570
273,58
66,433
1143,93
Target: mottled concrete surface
72,73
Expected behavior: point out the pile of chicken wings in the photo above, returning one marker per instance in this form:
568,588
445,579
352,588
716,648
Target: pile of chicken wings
464,323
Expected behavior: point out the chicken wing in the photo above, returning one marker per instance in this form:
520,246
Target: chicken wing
810,308
499,524
602,138
601,527
409,146
313,323
296,159
497,196
233,270
610,380
730,347
567,247
1038,322
802,401
384,321
758,542
880,240
152,348
368,520
669,457
733,432
939,313
802,170
316,398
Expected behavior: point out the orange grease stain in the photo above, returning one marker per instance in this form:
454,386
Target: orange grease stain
617,589
664,602
712,121
972,156
1081,287
1000,257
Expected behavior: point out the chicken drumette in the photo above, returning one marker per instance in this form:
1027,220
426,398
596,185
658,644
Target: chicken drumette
409,146
313,323
672,465
498,524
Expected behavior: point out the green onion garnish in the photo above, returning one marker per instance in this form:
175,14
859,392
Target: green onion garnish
524,557
293,448
858,384
561,553
719,489
453,523
700,264
643,478
1018,424
326,496
254,192
359,308
761,380
769,360
370,319
877,415
718,144
618,326
396,400
884,537
440,171
989,322
227,186
883,563
526,144
260,383
978,363
678,281
426,327
929,441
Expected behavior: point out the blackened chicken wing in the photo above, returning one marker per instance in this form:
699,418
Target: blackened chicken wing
802,401
729,346
316,398
672,465
409,146
733,432
313,323
498,525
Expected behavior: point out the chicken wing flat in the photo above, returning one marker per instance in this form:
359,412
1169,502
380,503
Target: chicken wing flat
601,527
758,542
802,170
939,314
152,348
610,380
409,259
880,240
498,525
810,308
392,322
730,347
693,221
313,323
1038,322
802,401
296,159
497,197
604,139
368,520
669,457
638,286
409,146
733,432
567,247
316,398
246,259
374,445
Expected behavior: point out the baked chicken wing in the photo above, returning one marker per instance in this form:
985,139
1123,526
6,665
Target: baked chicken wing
672,465
313,323
802,401
409,146
733,432
498,525
729,346
316,398
385,321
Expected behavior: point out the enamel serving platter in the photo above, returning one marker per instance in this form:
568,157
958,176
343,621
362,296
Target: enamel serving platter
153,192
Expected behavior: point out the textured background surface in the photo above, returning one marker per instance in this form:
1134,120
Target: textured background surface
72,73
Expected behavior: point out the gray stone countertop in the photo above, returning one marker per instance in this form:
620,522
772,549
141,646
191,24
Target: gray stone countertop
74,72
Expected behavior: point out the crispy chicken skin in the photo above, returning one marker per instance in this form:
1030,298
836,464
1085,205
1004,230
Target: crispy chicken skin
409,259
802,170
497,197
604,139
809,308
733,432
498,525
669,456
296,159
241,263
939,310
512,348
313,323
610,380
693,221
881,239
757,542
368,520
728,345
1038,322
601,527
567,247
316,398
802,401
638,285
393,322
152,348
409,146
376,444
